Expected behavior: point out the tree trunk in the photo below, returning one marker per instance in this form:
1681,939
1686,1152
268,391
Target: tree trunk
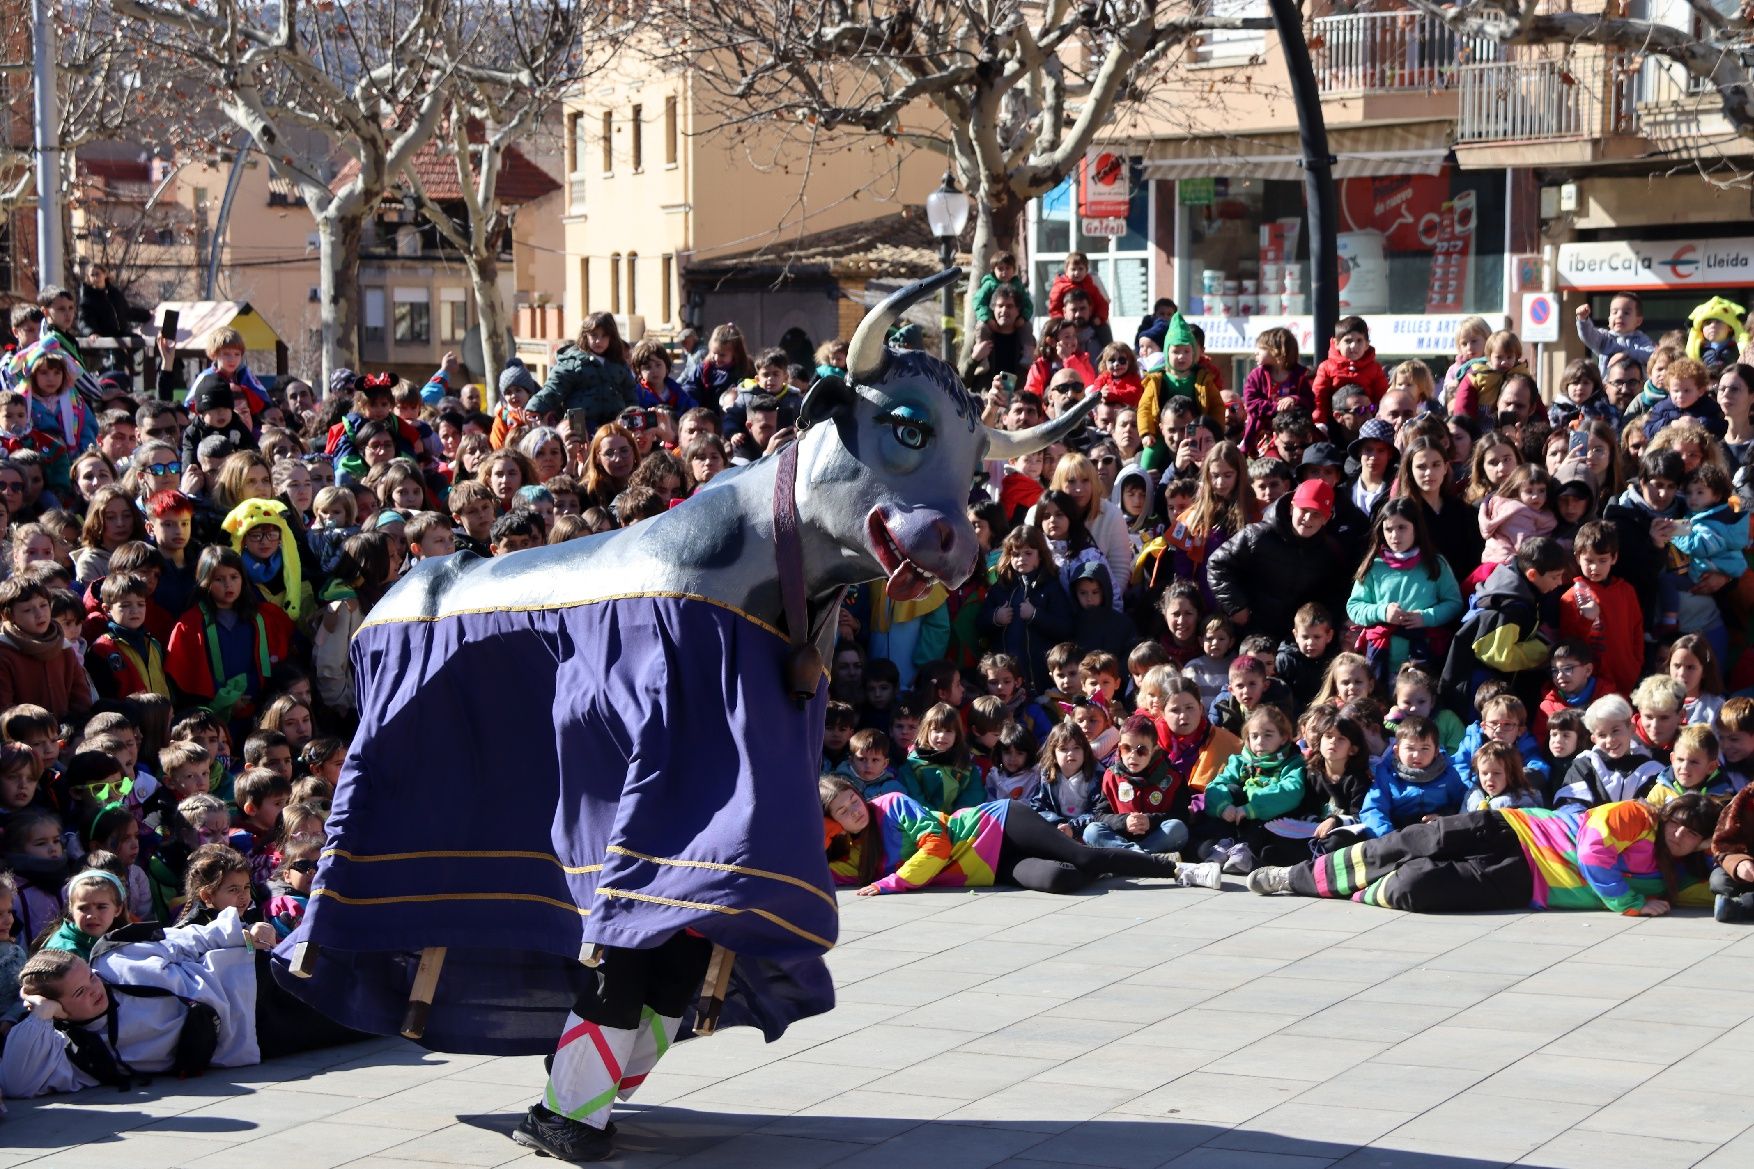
997,220
490,313
338,238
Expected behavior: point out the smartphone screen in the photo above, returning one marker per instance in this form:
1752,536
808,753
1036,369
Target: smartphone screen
172,319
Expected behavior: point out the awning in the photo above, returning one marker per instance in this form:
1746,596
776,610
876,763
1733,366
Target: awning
199,318
1412,148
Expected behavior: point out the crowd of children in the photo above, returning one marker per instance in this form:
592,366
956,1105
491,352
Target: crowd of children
1353,600
1245,628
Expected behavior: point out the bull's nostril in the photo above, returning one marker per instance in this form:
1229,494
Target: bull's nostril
946,536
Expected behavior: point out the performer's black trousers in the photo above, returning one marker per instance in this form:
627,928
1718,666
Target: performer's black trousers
1453,864
665,978
1036,855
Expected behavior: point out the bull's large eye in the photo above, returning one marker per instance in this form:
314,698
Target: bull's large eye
911,430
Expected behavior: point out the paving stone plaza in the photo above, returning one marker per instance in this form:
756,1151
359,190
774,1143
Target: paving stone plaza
1136,1026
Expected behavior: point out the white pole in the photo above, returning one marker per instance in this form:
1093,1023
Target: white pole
50,254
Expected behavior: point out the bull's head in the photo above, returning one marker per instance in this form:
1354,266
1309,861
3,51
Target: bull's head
892,491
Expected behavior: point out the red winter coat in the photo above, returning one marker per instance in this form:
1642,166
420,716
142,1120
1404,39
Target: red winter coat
1619,644
43,672
1336,371
1063,284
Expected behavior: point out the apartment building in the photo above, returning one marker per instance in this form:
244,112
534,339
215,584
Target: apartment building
673,219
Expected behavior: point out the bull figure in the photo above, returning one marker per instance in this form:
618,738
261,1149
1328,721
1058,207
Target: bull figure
582,768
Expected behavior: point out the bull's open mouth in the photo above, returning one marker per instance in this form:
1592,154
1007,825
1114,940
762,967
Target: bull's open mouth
907,580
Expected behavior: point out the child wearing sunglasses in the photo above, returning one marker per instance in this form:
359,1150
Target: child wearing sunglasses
289,890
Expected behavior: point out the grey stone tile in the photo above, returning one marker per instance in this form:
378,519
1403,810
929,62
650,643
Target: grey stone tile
945,1146
788,1085
1637,948
1575,1079
960,1075
1500,1128
1121,1142
909,986
320,1144
1217,1033
1352,964
1284,995
1661,1043
1592,979
1298,1057
1060,980
1140,1004
1211,1158
1549,1014
1352,1019
886,1046
1697,1114
1141,1066
761,1151
1301,1129
1581,1149
1056,1036
1494,955
1393,1086
1042,1107
1475,1049
1439,988
976,1011
993,958
1209,1098
1737,1154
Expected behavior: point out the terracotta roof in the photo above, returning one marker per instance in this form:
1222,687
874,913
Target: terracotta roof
900,244
520,180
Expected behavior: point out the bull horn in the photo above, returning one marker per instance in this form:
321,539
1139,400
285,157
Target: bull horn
869,349
1006,445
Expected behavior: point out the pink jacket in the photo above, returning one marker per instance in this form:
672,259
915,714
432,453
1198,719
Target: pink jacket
1506,523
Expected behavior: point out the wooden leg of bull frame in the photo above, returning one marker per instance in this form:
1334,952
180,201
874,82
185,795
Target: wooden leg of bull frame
712,991
304,960
426,976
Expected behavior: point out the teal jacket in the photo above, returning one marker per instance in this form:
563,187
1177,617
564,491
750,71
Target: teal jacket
1438,601
1266,788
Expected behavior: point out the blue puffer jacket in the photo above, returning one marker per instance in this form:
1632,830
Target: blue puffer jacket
1395,801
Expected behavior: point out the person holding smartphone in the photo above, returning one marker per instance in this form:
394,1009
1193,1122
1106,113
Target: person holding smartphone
1002,345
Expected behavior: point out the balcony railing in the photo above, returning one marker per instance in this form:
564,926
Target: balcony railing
1393,52
1564,99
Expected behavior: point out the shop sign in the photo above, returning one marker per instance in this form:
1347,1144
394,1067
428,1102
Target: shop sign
1681,263
1196,192
1104,185
1103,228
1398,334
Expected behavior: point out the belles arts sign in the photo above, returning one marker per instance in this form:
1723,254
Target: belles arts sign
1681,263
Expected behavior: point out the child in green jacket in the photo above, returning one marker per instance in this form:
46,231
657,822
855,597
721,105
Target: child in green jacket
1262,782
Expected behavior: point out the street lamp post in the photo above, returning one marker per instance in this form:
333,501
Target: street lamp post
947,213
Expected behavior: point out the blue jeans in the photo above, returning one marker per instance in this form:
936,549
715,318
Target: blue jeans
1168,836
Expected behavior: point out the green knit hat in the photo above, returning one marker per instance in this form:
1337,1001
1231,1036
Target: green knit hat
1179,333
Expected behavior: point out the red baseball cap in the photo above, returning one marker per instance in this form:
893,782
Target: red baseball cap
1314,495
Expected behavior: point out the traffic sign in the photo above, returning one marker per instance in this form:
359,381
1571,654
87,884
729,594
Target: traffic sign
1540,323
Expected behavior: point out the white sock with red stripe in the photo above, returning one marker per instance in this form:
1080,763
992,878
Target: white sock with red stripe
655,1033
587,1071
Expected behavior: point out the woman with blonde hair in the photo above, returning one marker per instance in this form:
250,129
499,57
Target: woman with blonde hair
243,475
1077,476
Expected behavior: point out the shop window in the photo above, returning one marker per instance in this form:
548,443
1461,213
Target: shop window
1122,264
1419,250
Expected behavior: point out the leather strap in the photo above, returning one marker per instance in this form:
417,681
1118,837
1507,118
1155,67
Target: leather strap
805,665
789,545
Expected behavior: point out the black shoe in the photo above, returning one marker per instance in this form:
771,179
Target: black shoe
567,1140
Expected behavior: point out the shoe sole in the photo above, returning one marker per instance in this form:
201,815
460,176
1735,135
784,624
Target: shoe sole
520,1137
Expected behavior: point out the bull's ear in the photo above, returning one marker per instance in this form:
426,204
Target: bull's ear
825,399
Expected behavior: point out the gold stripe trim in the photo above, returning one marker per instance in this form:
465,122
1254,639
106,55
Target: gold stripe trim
459,854
722,867
415,898
728,910
662,596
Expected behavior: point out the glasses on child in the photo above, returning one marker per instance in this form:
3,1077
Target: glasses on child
164,468
1135,748
115,789
302,866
